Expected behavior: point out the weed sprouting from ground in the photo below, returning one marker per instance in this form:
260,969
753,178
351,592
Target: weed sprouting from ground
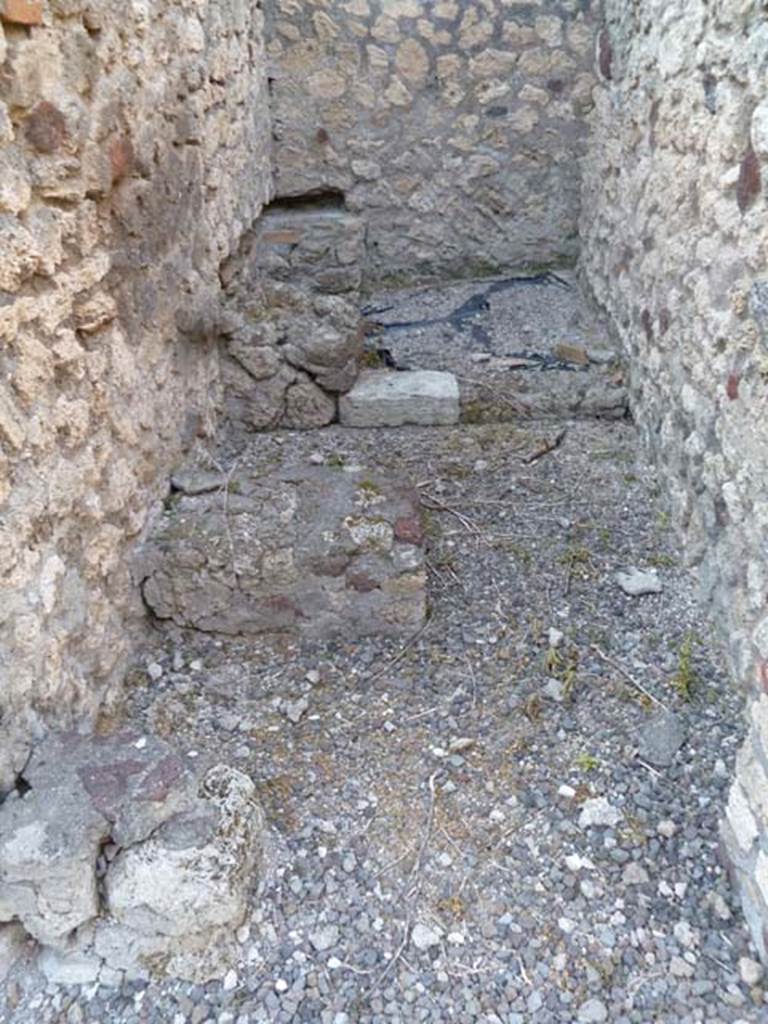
685,679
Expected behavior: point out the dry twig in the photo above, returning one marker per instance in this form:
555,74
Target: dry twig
630,679
402,653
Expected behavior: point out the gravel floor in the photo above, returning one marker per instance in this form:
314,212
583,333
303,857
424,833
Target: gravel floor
518,343
476,825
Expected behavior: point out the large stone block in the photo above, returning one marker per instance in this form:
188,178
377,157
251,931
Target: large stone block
316,551
383,399
119,854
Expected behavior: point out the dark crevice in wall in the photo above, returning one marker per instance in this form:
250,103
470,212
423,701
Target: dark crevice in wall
306,202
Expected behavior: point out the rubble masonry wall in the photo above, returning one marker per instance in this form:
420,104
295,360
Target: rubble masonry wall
675,246
133,155
452,128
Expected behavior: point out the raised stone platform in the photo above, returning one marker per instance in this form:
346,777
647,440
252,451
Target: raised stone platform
119,858
318,551
410,397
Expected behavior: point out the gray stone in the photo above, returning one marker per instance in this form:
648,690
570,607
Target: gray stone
324,938
750,971
69,967
636,583
594,1011
660,738
384,399
680,968
599,813
315,550
296,710
423,936
13,940
634,874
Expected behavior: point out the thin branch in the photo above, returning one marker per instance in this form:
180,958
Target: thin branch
630,679
403,651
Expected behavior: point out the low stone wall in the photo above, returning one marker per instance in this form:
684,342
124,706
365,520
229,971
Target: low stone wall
675,246
132,157
451,128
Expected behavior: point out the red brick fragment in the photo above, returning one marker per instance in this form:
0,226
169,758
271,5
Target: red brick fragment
22,12
748,185
45,127
121,157
732,386
408,530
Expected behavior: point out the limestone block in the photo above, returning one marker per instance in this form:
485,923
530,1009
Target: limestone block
21,257
383,399
174,896
314,551
184,854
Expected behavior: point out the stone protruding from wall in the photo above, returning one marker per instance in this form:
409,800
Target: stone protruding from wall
133,155
316,245
119,859
318,551
287,355
452,128
675,246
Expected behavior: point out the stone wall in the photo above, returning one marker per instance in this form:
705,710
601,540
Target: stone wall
675,246
451,127
133,154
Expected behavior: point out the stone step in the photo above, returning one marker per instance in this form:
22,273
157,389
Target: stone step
381,398
319,551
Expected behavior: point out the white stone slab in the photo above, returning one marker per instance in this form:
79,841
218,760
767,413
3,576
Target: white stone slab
393,399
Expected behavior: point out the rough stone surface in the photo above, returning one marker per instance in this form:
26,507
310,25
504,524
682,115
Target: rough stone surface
184,851
452,129
316,245
418,397
661,738
675,246
13,940
635,583
319,551
288,353
133,154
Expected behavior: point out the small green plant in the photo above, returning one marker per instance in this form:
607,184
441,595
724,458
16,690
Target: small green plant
664,520
369,487
685,679
335,461
661,561
562,666
586,762
371,360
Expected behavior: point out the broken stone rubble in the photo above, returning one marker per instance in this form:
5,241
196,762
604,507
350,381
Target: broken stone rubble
186,849
318,551
287,355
